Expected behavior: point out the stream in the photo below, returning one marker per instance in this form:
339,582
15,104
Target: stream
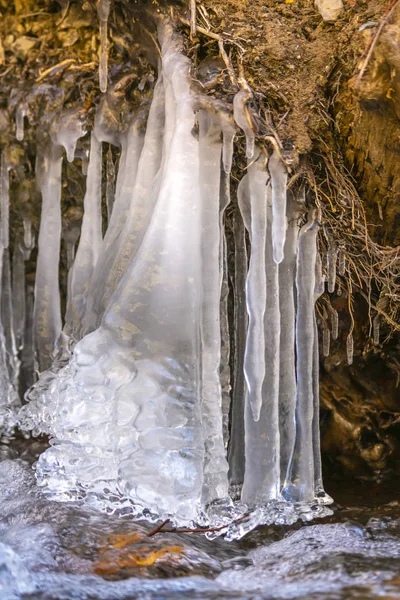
63,551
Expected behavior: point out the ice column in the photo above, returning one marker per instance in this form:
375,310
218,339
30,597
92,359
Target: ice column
110,176
255,218
8,358
300,484
97,296
262,439
7,318
103,11
287,368
215,466
133,209
89,243
18,292
224,371
47,312
236,441
4,201
27,376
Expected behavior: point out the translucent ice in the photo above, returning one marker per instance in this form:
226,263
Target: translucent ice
103,11
136,194
279,176
110,176
18,292
287,369
262,439
163,329
89,243
67,129
300,482
332,264
29,238
215,465
19,121
125,414
47,311
253,206
236,442
4,201
243,119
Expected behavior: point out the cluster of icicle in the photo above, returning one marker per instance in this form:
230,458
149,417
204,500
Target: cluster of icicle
142,417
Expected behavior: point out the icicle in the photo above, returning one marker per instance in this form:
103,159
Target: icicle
4,201
19,121
7,318
287,369
228,137
29,239
215,483
319,278
67,129
224,371
279,176
47,313
299,486
350,348
9,400
320,495
342,262
334,323
110,177
103,12
236,442
332,260
262,443
135,197
326,339
18,293
376,324
85,162
71,237
243,119
27,376
254,366
89,243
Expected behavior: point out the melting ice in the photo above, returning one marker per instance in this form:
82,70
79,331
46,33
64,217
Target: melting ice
144,413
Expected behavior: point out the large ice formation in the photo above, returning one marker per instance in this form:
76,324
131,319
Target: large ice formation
147,414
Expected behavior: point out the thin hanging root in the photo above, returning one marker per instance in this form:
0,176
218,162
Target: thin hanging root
227,62
371,264
350,341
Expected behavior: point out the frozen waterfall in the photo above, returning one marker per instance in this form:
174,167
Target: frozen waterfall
191,374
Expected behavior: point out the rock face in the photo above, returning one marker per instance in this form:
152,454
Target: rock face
306,77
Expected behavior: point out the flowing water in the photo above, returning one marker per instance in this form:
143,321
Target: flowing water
56,551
